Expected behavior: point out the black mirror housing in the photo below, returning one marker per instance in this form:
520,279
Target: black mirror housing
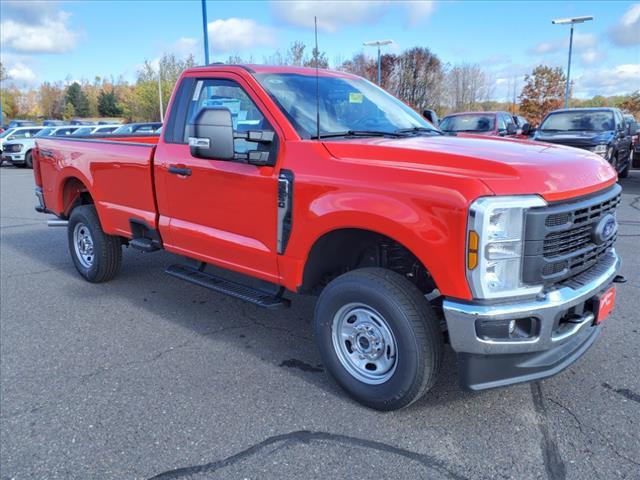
431,116
526,129
511,129
211,134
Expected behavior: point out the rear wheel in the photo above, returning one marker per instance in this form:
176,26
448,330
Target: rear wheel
378,337
96,255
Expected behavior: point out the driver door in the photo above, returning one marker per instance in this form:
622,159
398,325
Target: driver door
222,212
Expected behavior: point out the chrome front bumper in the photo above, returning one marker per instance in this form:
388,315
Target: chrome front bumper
461,317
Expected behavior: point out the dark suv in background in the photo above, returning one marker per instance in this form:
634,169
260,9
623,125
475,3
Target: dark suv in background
600,130
480,123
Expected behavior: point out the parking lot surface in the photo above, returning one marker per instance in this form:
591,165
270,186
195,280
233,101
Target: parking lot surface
147,376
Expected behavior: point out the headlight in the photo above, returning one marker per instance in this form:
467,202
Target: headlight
495,246
600,150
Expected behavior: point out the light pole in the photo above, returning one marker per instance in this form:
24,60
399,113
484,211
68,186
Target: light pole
378,43
570,21
205,32
160,91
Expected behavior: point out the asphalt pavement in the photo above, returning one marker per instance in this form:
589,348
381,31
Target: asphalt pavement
150,377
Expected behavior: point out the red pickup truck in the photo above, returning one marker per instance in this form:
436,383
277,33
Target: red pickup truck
322,183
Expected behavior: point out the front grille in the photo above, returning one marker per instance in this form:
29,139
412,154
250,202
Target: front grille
13,148
559,239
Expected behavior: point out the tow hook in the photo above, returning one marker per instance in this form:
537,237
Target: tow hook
619,279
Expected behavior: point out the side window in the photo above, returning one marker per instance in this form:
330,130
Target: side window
227,94
501,123
20,134
619,119
508,119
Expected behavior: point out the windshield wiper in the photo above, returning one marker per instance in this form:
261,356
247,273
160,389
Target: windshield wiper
359,133
419,130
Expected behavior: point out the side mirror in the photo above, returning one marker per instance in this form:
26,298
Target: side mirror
511,129
431,116
526,129
211,134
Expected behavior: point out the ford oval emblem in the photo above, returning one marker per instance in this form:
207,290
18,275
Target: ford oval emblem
605,229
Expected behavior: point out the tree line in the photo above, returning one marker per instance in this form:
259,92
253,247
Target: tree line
417,76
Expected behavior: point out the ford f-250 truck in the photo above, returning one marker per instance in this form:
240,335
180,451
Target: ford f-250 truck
328,185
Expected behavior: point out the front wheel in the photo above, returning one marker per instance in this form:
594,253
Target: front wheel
28,160
624,173
378,337
96,255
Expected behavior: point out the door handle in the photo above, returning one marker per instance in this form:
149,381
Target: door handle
180,170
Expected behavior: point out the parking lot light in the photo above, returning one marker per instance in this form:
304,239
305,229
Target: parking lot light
378,43
570,21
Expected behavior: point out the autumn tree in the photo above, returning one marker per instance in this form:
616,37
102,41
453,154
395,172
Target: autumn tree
543,92
52,99
78,99
631,104
467,85
295,54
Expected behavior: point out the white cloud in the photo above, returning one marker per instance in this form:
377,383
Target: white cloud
581,41
334,15
21,74
619,80
238,34
627,31
184,46
36,27
592,56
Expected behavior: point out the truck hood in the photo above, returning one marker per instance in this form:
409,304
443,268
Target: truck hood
506,166
581,139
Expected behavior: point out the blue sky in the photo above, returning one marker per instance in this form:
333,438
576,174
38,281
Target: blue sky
48,41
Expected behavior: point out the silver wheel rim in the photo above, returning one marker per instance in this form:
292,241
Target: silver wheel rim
83,244
364,343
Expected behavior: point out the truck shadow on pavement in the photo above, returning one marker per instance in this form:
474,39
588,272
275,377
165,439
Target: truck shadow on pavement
282,338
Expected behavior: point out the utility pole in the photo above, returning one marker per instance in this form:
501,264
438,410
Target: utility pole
570,21
378,43
205,32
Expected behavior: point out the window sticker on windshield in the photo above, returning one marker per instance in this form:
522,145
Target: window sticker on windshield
196,93
355,97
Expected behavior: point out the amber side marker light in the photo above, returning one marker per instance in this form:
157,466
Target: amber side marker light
472,250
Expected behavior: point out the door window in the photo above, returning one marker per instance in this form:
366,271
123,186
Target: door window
501,124
228,94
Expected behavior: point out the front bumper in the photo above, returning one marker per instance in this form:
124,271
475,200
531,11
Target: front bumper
13,157
488,363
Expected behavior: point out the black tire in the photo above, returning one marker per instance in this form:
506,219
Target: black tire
624,173
411,320
106,256
28,160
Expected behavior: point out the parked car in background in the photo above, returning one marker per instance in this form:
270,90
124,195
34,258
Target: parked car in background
19,152
520,122
77,121
600,130
635,140
21,123
16,133
95,130
53,123
480,123
140,128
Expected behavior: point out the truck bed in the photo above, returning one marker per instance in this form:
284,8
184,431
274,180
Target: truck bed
118,170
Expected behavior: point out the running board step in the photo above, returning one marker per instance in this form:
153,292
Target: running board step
144,244
233,289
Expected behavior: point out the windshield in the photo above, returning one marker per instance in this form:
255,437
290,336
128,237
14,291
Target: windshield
346,104
83,131
7,132
123,130
468,123
45,132
578,121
